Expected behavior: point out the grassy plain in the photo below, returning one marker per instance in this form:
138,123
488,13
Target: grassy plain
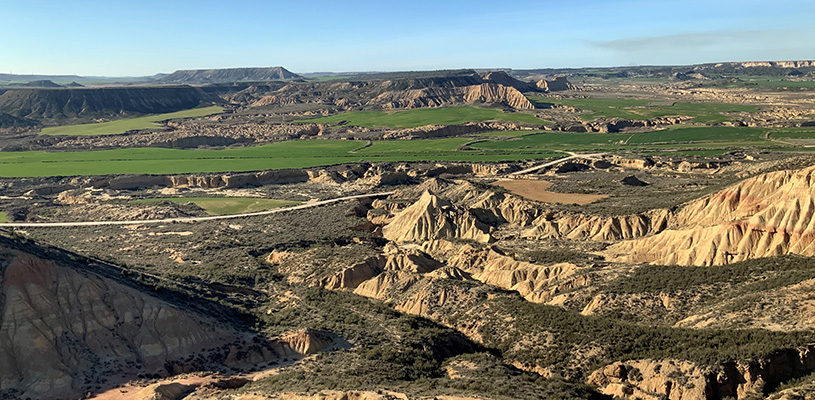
312,153
675,138
3,217
224,205
425,116
647,109
292,154
123,125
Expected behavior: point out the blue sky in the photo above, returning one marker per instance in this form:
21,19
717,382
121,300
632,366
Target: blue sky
132,38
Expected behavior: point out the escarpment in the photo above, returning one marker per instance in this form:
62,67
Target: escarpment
599,228
101,102
536,283
765,216
202,76
684,380
434,97
66,331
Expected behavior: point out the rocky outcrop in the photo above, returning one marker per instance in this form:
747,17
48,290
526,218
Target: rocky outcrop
433,218
240,180
435,97
653,380
598,228
502,78
632,180
765,216
559,84
369,277
164,391
536,283
501,208
683,380
83,327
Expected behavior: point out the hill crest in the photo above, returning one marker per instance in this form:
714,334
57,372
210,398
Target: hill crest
203,76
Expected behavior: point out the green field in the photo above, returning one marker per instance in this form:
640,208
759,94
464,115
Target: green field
292,154
676,138
129,124
647,109
507,134
794,133
224,205
425,116
312,153
3,217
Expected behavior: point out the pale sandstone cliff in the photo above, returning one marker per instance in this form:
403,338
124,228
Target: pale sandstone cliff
435,97
594,227
683,380
433,218
765,216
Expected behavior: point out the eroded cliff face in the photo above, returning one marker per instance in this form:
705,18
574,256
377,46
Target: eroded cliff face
490,93
683,380
100,102
765,216
433,218
66,331
598,228
536,283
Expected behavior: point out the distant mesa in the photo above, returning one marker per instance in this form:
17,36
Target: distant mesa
502,78
204,76
559,84
41,83
46,103
74,84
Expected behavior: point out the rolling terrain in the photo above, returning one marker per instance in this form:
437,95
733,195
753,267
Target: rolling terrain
250,233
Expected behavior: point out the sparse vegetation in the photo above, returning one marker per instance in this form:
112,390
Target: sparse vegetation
224,205
758,275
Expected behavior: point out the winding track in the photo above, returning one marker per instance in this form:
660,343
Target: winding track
254,214
191,219
551,163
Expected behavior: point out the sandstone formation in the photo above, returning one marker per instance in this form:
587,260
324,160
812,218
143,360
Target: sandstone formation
239,180
560,83
433,218
162,391
85,328
683,380
536,283
765,216
435,97
405,261
595,227
502,78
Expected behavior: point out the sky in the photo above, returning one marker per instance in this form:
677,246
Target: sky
138,38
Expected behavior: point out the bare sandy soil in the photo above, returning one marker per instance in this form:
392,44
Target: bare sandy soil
539,190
